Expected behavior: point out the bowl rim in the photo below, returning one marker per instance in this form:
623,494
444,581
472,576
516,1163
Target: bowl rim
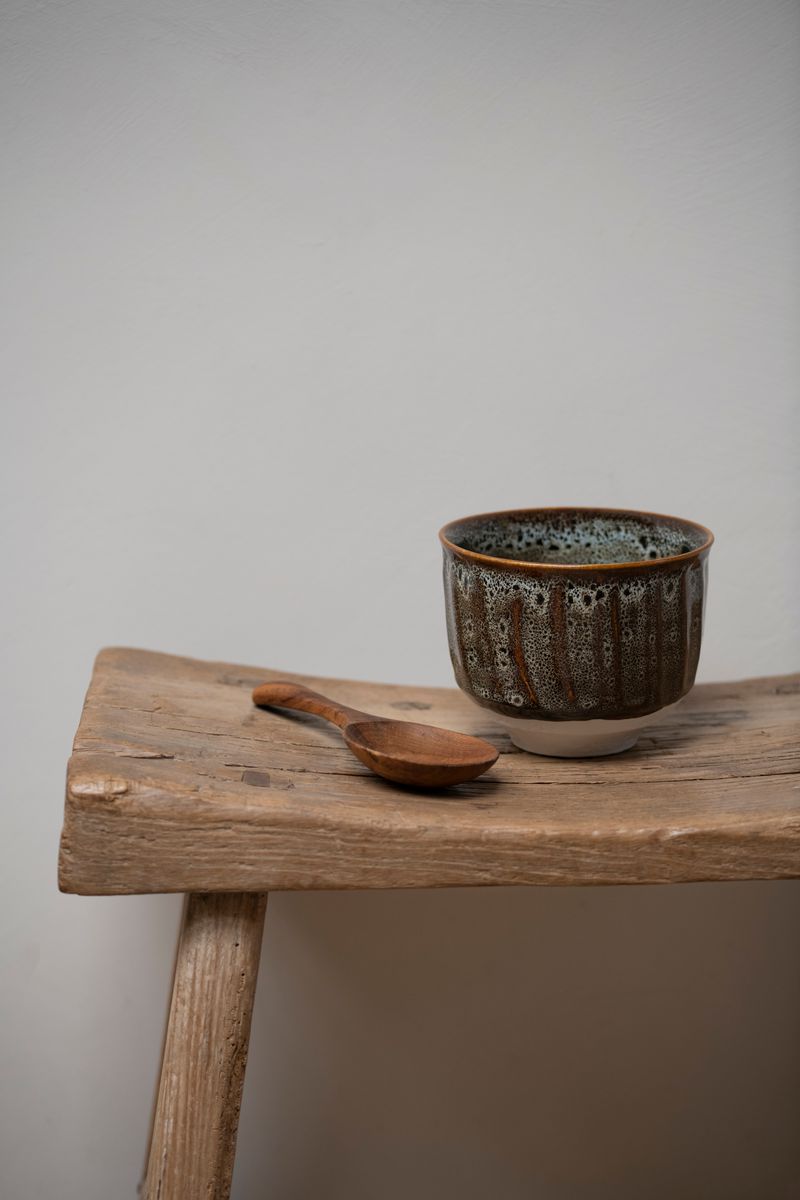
526,565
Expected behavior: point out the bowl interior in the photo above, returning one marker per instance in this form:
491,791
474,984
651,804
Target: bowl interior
576,536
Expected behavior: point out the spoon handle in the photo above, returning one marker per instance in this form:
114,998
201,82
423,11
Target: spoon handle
285,694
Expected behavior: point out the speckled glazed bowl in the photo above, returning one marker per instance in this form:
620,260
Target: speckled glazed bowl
575,625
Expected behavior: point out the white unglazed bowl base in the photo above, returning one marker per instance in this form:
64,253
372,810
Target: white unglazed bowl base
577,739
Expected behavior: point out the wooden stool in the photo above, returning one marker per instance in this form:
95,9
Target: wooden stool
178,784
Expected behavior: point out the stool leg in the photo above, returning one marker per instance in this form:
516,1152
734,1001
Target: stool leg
196,1118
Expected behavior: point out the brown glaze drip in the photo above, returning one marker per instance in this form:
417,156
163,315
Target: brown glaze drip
684,626
695,620
617,647
481,618
516,649
560,659
658,650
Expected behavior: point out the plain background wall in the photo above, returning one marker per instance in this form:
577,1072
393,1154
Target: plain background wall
287,285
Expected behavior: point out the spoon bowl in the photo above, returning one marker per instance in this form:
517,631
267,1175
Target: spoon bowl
419,755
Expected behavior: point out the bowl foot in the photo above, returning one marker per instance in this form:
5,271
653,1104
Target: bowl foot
577,739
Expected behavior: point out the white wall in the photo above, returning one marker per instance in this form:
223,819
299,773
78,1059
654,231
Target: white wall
287,286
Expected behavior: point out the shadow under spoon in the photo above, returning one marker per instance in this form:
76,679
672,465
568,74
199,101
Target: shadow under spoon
402,751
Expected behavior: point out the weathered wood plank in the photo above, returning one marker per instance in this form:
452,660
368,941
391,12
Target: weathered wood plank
193,1139
178,783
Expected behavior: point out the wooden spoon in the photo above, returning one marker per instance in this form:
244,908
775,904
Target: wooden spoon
403,751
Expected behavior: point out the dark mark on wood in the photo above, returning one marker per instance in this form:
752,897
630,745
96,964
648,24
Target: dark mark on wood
257,778
234,681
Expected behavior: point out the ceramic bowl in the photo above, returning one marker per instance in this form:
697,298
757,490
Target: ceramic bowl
575,625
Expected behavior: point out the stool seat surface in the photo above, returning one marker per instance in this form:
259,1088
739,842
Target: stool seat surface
178,783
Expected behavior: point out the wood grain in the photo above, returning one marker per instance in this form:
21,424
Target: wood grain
178,784
193,1140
